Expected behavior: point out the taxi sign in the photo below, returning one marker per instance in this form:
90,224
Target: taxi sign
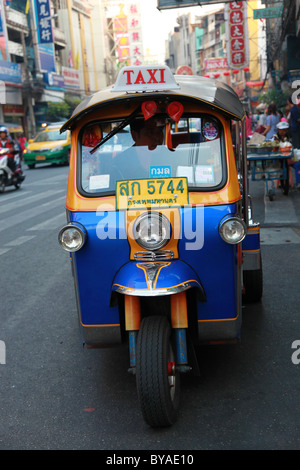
145,78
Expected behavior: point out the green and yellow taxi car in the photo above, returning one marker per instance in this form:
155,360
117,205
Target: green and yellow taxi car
48,146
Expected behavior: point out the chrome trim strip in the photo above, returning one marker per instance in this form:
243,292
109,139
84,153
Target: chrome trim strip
155,292
153,255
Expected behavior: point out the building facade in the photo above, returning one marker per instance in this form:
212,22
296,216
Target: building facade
51,51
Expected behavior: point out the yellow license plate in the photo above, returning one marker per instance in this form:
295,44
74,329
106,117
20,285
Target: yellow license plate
40,157
160,192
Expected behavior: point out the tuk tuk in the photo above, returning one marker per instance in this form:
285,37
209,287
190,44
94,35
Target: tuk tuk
159,227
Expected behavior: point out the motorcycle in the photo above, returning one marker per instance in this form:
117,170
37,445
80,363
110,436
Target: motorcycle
8,177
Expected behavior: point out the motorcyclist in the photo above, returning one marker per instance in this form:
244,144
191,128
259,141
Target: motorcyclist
7,142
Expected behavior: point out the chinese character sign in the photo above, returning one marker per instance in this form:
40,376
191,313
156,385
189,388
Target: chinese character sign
128,34
44,21
45,44
135,34
237,34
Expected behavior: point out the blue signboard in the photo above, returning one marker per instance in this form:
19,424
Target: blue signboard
54,80
44,35
44,21
168,4
10,72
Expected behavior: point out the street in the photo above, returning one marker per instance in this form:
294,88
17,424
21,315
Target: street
55,394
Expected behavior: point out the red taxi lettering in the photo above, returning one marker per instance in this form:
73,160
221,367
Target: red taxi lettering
162,76
128,72
141,79
152,75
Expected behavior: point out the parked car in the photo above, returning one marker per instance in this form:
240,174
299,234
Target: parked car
49,146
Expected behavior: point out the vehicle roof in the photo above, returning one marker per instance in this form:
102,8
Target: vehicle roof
208,91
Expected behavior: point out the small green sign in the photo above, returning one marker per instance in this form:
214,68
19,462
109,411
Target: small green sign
267,13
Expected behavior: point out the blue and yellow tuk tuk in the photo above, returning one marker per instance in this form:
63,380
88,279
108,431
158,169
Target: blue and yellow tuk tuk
160,232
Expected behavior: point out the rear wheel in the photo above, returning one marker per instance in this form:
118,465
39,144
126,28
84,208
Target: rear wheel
157,381
253,283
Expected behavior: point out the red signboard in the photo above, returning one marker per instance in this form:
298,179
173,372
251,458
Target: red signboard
237,34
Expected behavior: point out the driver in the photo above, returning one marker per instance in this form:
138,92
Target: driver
135,161
7,143
148,133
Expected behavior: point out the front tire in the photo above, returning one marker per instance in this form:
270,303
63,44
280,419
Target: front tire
157,381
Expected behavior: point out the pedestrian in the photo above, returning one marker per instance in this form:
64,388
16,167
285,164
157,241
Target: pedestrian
272,121
294,120
261,122
22,141
284,135
248,125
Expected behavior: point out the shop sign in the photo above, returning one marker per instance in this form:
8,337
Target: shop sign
43,24
13,109
236,23
71,78
54,80
10,72
263,13
215,63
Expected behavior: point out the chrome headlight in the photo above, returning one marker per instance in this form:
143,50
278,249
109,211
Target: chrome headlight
233,230
152,230
72,237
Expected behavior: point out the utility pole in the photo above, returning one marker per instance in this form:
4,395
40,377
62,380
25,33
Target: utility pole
28,87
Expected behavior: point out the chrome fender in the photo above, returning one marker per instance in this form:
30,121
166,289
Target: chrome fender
149,279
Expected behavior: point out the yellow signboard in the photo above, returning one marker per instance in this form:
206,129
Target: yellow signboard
161,192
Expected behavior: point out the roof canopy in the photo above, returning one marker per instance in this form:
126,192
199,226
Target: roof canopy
208,91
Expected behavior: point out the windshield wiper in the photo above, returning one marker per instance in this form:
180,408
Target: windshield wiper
116,130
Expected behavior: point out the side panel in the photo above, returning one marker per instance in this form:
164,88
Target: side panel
217,264
97,263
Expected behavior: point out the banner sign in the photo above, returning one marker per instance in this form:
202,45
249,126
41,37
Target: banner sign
237,34
43,23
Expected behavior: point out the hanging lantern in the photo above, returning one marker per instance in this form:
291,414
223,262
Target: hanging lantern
226,73
246,69
255,84
235,71
206,76
216,75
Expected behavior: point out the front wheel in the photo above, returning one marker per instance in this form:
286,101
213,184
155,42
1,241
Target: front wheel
156,377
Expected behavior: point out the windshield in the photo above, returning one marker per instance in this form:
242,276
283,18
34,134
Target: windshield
192,148
48,136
